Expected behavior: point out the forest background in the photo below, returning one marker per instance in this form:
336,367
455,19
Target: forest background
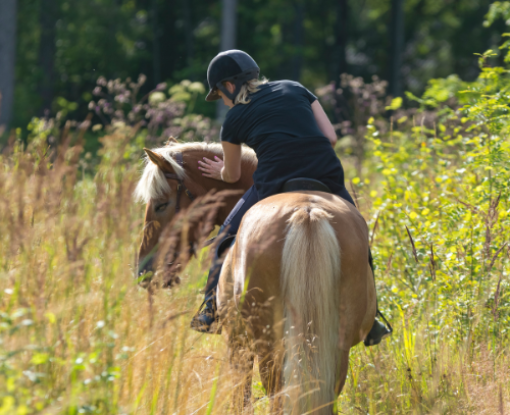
53,51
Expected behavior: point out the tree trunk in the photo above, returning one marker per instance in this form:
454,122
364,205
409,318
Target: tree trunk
156,49
396,47
297,61
47,48
7,58
340,55
228,41
341,111
188,31
228,24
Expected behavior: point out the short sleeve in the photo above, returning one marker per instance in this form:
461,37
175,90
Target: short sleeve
228,132
311,97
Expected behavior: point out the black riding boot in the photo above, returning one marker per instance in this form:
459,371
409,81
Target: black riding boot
203,321
378,331
205,318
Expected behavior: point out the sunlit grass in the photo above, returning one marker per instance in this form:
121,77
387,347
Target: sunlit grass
79,336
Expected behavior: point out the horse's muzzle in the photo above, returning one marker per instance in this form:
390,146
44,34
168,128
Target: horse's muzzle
144,267
147,275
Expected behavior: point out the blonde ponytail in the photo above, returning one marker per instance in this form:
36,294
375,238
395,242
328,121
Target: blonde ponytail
250,87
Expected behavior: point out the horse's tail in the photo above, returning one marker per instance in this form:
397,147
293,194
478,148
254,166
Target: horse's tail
310,288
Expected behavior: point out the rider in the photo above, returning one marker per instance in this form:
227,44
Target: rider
292,137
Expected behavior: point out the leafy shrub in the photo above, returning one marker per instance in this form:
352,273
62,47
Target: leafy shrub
438,201
162,116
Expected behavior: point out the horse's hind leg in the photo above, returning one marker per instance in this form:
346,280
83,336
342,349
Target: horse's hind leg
241,363
343,366
239,347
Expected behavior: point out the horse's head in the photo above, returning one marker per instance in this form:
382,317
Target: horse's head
167,188
174,227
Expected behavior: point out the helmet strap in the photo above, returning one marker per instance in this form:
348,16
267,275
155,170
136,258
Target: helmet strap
231,95
238,82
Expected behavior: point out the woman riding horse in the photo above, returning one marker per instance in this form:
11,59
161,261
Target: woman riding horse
292,137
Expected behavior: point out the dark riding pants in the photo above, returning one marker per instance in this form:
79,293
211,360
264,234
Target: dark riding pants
231,225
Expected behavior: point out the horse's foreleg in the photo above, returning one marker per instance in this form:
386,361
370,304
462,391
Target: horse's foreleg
240,353
241,363
270,369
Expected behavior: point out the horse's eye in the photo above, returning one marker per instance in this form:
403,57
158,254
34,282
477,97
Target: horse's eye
161,208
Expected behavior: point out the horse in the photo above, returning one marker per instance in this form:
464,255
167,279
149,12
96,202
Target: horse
169,184
296,290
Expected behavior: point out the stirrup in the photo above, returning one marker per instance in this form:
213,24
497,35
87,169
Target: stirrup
378,332
388,325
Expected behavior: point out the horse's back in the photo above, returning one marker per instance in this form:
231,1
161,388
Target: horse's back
266,224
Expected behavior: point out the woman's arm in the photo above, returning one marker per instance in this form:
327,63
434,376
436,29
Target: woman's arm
228,169
231,171
323,122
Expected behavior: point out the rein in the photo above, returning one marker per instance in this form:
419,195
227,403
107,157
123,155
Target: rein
180,184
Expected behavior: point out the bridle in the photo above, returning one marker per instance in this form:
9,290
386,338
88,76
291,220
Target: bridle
180,187
180,184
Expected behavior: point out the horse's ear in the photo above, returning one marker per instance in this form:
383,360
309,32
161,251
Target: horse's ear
157,159
171,140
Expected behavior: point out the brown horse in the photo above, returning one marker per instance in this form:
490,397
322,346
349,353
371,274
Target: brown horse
300,294
296,289
170,182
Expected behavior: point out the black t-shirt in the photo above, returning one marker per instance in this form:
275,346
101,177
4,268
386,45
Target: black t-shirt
280,126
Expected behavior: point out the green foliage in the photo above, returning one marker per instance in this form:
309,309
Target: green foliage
439,218
395,104
64,107
497,10
484,95
439,91
169,42
188,92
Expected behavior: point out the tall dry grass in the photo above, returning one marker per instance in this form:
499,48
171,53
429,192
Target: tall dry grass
77,334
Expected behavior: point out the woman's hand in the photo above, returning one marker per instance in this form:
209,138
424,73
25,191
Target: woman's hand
211,168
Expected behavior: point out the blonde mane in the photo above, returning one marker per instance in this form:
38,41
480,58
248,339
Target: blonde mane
153,183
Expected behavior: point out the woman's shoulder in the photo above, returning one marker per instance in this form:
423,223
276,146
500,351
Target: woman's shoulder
286,87
234,116
283,85
286,83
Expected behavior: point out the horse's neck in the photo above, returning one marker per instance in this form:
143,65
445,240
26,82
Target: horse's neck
202,185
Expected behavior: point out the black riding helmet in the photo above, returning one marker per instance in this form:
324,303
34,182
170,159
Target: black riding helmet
234,66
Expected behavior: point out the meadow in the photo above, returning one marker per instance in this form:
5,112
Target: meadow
78,335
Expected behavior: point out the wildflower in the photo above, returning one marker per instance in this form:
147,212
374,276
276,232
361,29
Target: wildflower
197,87
157,97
